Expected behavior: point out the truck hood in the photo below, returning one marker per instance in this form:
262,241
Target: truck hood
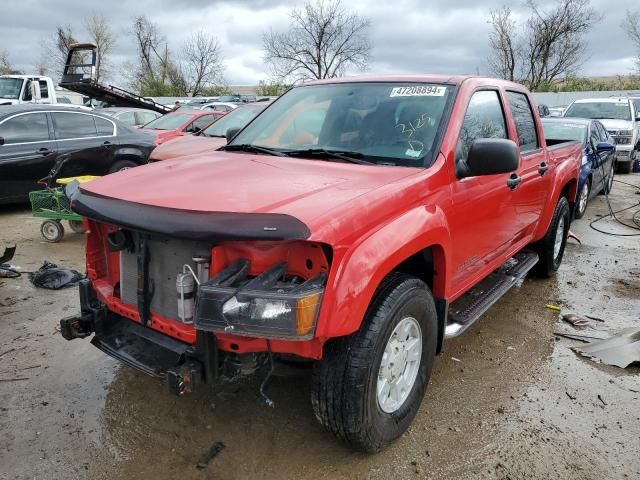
186,145
242,183
612,124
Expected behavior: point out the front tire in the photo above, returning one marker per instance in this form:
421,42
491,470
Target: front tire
397,344
122,165
551,248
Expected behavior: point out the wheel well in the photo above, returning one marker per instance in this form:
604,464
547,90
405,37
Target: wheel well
428,265
131,158
569,191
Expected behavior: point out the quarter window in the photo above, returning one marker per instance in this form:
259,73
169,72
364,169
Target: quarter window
524,120
484,118
73,125
31,127
104,127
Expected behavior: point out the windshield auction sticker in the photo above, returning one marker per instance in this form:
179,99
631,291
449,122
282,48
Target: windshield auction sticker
418,91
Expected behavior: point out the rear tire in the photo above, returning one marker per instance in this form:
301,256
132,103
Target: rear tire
349,396
551,248
122,165
76,226
52,230
583,199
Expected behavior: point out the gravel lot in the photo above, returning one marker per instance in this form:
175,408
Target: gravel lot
508,399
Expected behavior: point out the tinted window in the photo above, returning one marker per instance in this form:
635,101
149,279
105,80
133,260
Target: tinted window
595,136
31,127
604,135
524,120
44,91
238,118
103,127
170,121
564,131
484,118
73,125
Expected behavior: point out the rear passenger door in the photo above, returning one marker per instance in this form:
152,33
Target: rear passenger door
27,155
87,139
531,194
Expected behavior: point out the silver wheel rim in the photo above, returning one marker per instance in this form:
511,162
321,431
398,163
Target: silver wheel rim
557,245
50,231
400,365
584,197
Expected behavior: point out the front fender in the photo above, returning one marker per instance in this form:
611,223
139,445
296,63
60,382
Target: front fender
358,271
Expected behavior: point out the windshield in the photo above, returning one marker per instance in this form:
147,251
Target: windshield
237,118
169,122
600,110
10,88
386,123
565,131
229,98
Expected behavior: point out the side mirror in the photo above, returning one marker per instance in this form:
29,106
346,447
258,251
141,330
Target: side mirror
604,147
232,132
489,156
1,140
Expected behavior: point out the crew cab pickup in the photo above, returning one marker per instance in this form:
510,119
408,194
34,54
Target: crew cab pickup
355,224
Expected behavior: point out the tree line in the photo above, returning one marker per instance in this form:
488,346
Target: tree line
545,51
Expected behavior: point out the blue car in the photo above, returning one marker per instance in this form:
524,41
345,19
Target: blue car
598,157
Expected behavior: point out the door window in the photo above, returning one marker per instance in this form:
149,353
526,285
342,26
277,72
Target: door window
31,127
44,90
73,125
484,118
201,122
604,135
594,137
145,117
104,127
524,120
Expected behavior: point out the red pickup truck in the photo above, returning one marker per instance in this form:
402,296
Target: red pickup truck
354,224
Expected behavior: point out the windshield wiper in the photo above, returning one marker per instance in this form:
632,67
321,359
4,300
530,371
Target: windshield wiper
344,155
247,147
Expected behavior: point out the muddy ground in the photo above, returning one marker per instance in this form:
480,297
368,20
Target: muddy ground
507,400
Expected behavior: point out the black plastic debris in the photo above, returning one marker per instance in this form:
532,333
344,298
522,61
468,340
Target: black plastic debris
620,350
6,270
209,455
53,277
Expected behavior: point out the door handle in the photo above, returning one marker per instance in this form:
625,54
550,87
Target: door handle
542,169
513,181
43,151
106,144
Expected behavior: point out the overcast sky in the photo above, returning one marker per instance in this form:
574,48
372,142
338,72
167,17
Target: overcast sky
408,36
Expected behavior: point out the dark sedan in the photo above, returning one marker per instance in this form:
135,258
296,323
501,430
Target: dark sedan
33,137
598,155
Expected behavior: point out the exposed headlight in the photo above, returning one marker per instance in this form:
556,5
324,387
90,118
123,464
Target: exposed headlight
268,306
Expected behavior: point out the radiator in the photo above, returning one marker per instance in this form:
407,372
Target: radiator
166,258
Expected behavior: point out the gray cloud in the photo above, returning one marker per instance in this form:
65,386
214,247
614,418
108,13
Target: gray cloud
408,36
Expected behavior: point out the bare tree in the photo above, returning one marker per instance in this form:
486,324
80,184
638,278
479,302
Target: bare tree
56,49
102,37
203,62
504,44
5,64
551,47
322,42
631,25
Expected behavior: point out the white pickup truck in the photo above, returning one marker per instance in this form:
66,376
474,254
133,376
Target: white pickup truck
16,89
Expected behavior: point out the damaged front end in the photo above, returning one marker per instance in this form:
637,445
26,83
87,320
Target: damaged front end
198,303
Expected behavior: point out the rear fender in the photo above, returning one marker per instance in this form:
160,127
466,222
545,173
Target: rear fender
130,153
358,272
565,184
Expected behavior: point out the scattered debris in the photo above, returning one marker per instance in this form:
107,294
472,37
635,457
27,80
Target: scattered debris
50,276
580,338
209,455
575,320
570,396
455,359
16,379
602,400
553,307
620,350
594,318
6,270
573,235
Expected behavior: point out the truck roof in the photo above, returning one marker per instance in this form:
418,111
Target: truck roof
23,76
424,78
